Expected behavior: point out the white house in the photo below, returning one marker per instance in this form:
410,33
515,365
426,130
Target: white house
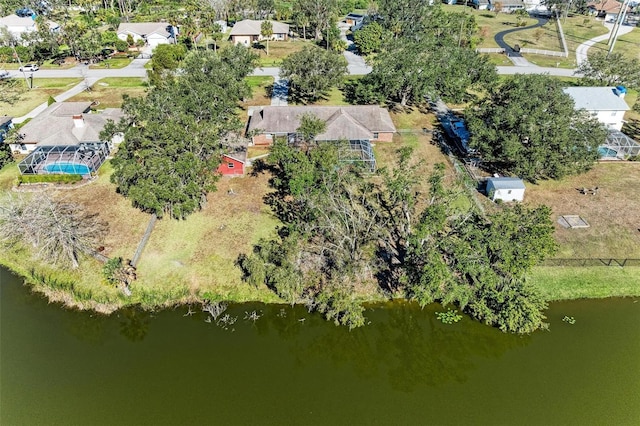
153,33
505,189
607,104
17,26
248,31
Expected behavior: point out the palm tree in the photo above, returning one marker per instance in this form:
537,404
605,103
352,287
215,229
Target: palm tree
266,29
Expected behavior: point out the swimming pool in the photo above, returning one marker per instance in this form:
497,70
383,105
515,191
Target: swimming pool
67,167
607,152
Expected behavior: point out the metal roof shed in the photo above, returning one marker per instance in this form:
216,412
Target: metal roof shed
505,189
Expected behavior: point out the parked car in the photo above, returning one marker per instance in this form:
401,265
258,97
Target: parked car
4,74
29,68
24,12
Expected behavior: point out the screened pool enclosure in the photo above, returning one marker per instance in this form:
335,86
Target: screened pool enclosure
618,147
82,159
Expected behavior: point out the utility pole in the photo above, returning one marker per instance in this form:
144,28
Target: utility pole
622,15
26,79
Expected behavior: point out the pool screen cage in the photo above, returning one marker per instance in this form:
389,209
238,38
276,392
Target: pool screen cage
358,152
619,146
76,158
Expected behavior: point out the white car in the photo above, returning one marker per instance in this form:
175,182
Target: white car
4,74
29,68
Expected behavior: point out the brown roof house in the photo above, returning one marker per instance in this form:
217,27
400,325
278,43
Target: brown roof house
65,123
607,9
360,125
248,31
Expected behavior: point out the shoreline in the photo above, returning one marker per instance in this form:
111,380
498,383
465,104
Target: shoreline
577,283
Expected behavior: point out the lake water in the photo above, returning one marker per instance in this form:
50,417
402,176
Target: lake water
61,367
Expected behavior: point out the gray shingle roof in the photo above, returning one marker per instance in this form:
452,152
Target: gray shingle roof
55,125
596,98
506,183
5,119
144,28
346,122
251,27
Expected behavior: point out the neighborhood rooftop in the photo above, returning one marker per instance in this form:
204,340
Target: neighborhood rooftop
68,123
345,122
596,98
252,27
145,28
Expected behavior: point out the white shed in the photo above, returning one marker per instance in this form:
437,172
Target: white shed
505,189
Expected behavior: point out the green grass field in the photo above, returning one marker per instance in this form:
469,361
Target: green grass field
109,91
42,89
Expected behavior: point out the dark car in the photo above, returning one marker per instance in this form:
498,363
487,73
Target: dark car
24,12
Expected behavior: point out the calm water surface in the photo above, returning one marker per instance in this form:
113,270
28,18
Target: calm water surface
61,367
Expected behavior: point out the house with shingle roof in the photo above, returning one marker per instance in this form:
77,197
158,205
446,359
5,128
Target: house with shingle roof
153,33
65,123
352,123
17,26
606,9
249,31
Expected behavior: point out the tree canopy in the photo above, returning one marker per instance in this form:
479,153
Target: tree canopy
407,71
344,232
612,70
528,127
312,72
174,136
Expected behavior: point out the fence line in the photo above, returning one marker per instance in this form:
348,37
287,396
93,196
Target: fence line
145,239
562,39
490,50
543,52
592,262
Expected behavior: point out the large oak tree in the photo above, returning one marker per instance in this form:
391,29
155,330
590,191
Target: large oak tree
528,127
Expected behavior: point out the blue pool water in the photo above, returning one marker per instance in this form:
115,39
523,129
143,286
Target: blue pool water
607,152
67,168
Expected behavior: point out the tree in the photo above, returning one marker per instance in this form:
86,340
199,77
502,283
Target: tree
10,90
216,35
61,231
612,70
313,71
528,127
166,58
5,154
408,71
174,136
319,13
266,30
370,39
310,127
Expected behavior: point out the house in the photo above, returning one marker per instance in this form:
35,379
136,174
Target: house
506,6
153,33
65,124
353,123
605,9
607,104
6,123
249,31
505,189
233,164
17,26
355,21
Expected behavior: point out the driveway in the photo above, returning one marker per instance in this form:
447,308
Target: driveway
514,56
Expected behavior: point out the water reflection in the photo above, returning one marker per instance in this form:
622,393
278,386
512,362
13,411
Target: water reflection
134,324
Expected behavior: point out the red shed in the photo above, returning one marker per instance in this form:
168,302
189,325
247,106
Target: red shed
233,164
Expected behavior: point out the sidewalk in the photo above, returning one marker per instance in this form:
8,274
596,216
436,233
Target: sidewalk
581,51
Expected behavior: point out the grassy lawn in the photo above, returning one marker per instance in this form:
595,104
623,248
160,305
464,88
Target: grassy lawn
114,62
278,50
260,90
544,37
108,91
562,283
335,96
627,44
632,126
612,214
43,88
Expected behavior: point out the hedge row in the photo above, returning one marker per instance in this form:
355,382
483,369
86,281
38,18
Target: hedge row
50,178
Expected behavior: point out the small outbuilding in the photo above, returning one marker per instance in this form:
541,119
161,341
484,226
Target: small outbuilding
233,164
505,189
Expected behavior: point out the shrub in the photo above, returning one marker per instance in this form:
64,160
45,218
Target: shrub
49,178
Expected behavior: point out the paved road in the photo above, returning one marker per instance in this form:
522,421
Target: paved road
134,69
514,56
581,51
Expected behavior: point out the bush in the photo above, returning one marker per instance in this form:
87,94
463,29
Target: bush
121,45
49,178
